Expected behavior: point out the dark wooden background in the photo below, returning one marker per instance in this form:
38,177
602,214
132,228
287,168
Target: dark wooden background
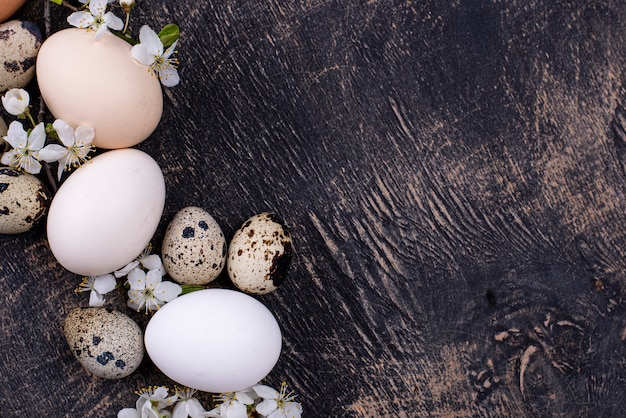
453,174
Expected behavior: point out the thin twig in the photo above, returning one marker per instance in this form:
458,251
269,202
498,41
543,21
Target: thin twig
42,105
69,6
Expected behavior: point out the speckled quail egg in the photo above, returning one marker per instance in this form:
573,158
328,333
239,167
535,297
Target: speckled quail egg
107,343
19,46
23,201
259,254
194,247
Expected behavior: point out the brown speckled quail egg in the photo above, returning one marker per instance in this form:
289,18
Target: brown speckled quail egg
260,254
194,247
23,201
19,46
107,343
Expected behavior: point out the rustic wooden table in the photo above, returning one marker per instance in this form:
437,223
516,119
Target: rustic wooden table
453,174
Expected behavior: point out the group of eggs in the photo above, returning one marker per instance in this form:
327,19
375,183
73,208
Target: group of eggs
105,213
215,340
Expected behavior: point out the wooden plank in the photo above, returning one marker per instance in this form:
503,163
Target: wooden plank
453,177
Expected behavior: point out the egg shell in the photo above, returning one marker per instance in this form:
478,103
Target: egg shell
106,212
24,200
99,84
9,7
194,247
214,340
19,44
107,343
259,254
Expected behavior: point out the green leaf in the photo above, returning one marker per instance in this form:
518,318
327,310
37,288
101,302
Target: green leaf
169,34
59,2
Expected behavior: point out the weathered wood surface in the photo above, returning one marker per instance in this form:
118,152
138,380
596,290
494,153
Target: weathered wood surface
453,174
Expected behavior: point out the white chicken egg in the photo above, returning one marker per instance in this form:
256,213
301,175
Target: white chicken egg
105,213
214,340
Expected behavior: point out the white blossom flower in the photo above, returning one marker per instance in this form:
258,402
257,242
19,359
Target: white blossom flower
150,52
25,152
148,291
76,146
187,405
95,18
98,286
145,260
233,404
277,404
151,404
16,101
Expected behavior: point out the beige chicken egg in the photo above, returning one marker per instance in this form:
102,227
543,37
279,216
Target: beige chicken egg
96,82
9,7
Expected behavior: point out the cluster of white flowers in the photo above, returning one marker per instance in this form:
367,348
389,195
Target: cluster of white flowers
263,400
28,148
150,51
144,276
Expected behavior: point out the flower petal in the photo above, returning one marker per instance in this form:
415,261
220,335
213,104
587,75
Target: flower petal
31,166
95,299
80,19
236,410
266,392
128,413
8,157
169,76
85,134
167,291
181,410
97,7
195,409
112,21
16,135
293,409
37,137
134,299
159,394
61,167
126,269
150,38
169,51
137,279
143,54
65,132
102,29
153,279
53,152
267,407
152,262
105,283
244,396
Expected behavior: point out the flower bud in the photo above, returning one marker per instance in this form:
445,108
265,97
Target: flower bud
127,5
16,101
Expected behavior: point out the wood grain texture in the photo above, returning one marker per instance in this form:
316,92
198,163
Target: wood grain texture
453,174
